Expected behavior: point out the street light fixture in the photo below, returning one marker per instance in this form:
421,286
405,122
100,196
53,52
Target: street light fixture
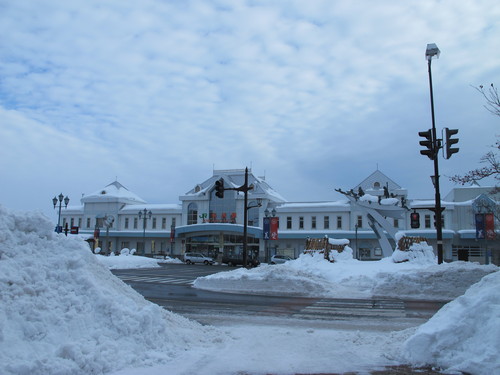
144,215
60,199
431,53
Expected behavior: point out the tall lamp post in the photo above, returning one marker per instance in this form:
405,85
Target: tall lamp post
60,199
144,215
432,52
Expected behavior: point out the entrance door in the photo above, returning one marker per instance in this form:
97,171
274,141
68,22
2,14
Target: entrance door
463,254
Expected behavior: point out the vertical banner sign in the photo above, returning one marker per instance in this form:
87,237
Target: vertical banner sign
172,234
274,228
267,228
490,226
480,235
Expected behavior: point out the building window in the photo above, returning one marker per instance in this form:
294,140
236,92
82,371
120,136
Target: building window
173,222
135,223
313,222
79,222
126,223
326,222
88,222
396,223
154,223
288,222
72,222
427,221
125,244
339,222
163,223
301,222
192,217
360,221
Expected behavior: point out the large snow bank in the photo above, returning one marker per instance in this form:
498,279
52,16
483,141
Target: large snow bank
313,276
63,312
464,335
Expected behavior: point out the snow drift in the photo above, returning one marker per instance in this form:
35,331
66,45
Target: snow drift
464,335
62,312
311,275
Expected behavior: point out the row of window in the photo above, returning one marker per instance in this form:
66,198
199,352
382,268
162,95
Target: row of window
128,224
359,222
155,223
314,222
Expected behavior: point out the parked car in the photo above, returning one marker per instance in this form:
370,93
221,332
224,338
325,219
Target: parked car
279,259
235,260
191,258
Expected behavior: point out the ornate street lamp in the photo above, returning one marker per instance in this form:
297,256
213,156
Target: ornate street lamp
60,199
144,215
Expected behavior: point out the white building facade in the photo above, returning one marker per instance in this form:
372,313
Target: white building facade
201,222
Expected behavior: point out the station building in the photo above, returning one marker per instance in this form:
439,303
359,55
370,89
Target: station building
114,218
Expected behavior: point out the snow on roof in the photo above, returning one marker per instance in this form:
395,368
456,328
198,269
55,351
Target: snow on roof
114,192
152,207
340,203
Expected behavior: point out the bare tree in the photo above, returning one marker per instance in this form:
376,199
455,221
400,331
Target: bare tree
492,169
492,164
492,98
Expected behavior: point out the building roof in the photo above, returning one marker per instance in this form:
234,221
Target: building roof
114,192
234,178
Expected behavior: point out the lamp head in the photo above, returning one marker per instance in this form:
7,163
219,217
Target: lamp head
432,51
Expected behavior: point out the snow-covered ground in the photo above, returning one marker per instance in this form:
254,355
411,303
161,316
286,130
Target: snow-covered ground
63,312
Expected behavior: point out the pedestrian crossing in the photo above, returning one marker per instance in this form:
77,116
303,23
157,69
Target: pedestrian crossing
329,309
157,279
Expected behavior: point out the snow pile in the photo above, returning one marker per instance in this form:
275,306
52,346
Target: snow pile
313,276
417,253
125,260
62,312
464,335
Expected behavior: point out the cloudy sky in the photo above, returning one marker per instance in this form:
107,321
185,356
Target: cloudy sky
315,95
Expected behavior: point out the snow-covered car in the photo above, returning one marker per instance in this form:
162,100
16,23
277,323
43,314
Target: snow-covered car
278,259
191,258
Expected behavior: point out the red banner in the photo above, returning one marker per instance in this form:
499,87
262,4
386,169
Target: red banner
274,228
489,226
172,234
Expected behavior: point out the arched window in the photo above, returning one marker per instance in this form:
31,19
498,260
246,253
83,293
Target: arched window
376,185
192,217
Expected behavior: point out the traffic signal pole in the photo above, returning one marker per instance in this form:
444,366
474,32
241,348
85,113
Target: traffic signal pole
436,147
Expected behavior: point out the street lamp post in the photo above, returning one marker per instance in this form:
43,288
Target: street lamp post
144,215
60,199
431,52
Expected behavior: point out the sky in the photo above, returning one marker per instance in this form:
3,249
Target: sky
312,95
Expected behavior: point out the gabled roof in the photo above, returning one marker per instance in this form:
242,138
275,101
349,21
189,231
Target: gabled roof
376,181
114,192
234,178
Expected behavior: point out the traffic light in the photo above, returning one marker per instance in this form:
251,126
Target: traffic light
219,188
448,133
415,220
428,143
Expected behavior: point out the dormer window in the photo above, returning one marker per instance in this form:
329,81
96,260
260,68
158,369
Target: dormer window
197,189
103,192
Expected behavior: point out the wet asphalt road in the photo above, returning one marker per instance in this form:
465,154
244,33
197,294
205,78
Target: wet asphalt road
171,287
